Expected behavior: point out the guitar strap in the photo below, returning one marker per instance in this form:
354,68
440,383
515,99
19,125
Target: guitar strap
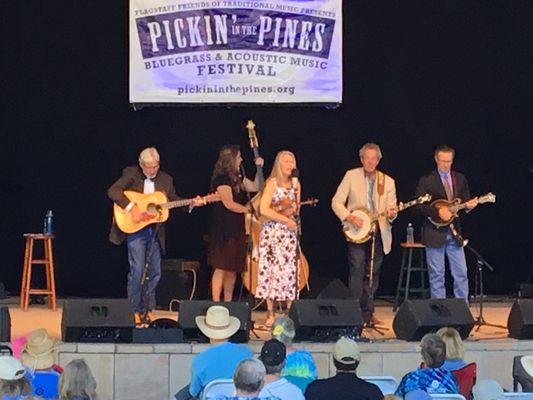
381,184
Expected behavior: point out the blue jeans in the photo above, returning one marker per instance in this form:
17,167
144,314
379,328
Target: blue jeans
457,262
142,293
359,261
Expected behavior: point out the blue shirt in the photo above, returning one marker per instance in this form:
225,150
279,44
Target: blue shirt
216,362
432,380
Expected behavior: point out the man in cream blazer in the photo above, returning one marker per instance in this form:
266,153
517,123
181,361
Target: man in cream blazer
367,188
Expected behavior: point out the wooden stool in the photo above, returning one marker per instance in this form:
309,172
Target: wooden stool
406,268
48,263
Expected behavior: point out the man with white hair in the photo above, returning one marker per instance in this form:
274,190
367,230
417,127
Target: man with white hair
372,190
249,379
146,245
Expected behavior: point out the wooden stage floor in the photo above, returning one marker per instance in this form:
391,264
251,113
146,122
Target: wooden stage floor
39,316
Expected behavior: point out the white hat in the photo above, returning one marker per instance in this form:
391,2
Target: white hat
346,351
217,323
38,352
11,369
527,364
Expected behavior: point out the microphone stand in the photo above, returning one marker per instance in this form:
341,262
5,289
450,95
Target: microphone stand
480,264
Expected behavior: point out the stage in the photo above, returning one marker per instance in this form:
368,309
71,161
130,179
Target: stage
137,371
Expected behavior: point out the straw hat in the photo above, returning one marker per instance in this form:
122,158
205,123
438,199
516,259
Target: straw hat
38,352
217,323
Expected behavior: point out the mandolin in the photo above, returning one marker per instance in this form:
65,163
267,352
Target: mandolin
455,206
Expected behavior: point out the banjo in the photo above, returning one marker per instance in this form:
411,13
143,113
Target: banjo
363,234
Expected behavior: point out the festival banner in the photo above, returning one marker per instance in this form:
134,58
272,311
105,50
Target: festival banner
236,51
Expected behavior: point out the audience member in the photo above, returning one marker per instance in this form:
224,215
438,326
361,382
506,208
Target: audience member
14,384
249,380
77,382
273,355
455,350
433,378
39,356
300,368
345,385
220,360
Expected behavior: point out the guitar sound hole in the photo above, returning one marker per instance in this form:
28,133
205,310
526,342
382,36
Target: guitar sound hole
152,209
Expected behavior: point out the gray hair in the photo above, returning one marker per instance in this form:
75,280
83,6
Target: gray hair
433,350
249,375
77,380
370,146
149,154
283,330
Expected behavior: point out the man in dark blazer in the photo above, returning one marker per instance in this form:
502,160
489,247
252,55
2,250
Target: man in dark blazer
443,183
146,245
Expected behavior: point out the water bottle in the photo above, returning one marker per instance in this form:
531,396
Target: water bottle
48,223
410,233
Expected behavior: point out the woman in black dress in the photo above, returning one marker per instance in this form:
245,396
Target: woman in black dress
227,246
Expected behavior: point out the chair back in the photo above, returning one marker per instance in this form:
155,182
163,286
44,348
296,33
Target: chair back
518,395
387,384
218,388
446,396
466,379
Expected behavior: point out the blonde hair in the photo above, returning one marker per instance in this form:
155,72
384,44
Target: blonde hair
149,154
77,380
276,168
455,350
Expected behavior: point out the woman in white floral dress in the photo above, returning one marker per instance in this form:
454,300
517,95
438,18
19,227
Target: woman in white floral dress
278,241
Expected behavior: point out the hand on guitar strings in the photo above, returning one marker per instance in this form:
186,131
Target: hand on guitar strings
445,214
355,221
137,215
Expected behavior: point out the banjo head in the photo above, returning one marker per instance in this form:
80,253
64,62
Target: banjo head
358,235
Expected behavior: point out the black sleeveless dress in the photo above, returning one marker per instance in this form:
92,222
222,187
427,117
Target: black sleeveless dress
227,244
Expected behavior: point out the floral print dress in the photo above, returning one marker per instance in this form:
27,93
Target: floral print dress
278,246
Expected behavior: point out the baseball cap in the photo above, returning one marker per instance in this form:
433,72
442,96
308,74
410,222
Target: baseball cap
346,351
273,353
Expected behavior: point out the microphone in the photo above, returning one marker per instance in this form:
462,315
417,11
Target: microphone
295,174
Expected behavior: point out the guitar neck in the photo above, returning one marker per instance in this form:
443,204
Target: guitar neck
177,203
403,206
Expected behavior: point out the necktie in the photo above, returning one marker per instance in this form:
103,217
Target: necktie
447,188
370,195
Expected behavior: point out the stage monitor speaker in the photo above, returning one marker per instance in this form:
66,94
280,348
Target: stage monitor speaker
97,321
520,321
336,289
5,325
415,318
325,320
161,330
189,310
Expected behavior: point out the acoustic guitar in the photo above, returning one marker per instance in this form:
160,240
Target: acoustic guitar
154,207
